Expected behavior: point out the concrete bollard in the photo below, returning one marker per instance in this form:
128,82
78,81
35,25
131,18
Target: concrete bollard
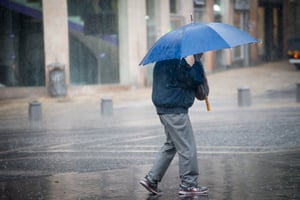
35,111
298,93
106,106
244,96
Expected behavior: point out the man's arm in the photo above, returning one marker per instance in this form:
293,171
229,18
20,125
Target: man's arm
190,76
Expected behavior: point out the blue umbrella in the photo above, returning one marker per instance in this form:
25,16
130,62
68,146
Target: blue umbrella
196,38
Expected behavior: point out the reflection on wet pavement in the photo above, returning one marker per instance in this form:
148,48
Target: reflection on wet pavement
235,176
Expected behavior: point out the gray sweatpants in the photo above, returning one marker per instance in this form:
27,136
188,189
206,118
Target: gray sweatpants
179,139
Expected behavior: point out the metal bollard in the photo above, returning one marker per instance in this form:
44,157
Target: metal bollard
106,106
244,97
298,93
35,111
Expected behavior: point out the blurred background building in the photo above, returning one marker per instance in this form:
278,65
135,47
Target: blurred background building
99,43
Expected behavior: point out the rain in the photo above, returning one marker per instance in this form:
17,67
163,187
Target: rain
76,115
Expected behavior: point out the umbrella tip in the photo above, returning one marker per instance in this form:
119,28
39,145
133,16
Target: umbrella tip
192,20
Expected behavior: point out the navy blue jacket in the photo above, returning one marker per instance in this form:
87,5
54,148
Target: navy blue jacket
174,85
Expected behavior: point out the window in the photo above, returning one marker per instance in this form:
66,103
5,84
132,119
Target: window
176,19
174,6
238,52
94,46
22,44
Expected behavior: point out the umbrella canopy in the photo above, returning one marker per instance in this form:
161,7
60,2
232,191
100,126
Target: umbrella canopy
196,38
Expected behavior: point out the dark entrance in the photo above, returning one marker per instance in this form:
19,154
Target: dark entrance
273,29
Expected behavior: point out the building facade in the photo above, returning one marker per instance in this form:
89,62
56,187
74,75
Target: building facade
98,43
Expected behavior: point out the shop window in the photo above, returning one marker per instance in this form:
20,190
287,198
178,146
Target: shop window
93,41
22,44
151,23
177,20
174,6
218,7
238,21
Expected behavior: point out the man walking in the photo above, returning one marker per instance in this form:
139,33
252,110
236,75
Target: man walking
174,85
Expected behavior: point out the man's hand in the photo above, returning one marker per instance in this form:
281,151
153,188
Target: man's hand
190,60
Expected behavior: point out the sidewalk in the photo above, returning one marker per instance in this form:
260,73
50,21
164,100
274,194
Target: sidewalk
272,84
76,153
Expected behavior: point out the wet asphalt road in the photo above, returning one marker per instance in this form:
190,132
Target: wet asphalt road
76,153
244,153
238,176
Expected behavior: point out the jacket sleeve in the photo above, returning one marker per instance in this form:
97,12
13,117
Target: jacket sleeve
190,77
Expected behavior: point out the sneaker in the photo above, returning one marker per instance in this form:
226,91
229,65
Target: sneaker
184,190
150,185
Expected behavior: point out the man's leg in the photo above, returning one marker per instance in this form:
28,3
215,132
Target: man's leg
160,166
163,158
180,130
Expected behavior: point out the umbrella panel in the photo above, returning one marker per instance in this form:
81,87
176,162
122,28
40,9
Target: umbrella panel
196,38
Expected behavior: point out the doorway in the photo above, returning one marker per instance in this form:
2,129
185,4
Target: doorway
271,13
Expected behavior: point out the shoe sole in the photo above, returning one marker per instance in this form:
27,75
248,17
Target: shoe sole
145,185
205,192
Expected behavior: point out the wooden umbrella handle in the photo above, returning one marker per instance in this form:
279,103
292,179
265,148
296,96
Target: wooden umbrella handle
207,104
